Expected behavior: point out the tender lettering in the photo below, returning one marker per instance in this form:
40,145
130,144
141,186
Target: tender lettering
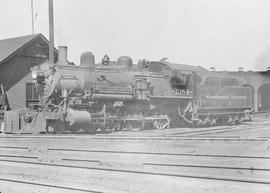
226,97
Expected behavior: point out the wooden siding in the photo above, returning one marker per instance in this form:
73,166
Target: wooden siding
17,93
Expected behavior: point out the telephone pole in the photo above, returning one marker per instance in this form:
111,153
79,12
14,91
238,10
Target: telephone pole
32,14
51,32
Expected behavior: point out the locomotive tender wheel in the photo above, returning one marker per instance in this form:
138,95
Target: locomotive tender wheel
207,121
233,120
240,119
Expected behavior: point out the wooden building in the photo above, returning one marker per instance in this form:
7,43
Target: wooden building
17,56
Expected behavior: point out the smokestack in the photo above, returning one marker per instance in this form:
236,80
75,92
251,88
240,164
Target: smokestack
62,55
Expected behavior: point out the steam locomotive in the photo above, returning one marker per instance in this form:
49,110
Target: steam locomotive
121,95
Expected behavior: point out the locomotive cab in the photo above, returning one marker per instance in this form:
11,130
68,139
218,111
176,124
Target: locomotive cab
177,81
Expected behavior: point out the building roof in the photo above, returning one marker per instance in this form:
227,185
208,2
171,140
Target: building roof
11,46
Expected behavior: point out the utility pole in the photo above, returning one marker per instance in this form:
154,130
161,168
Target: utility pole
32,14
51,32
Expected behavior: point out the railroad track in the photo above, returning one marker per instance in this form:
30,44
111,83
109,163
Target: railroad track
215,131
165,138
168,160
168,165
144,163
115,134
140,153
209,172
188,135
155,173
185,135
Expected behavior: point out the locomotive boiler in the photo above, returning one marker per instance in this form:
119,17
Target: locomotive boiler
108,96
121,95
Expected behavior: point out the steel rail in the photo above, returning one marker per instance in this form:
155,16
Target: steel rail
207,166
200,131
233,130
160,153
49,185
213,131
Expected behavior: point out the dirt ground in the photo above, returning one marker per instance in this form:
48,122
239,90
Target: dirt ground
228,159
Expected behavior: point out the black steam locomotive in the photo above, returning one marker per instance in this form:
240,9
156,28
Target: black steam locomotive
121,95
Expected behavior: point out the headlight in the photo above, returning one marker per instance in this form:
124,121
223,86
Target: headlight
34,74
40,78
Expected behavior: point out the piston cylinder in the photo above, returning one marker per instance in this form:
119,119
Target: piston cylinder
80,119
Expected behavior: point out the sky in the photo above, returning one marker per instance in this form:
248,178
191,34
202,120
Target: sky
225,34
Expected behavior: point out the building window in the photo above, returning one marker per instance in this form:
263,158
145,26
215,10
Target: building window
33,61
31,95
